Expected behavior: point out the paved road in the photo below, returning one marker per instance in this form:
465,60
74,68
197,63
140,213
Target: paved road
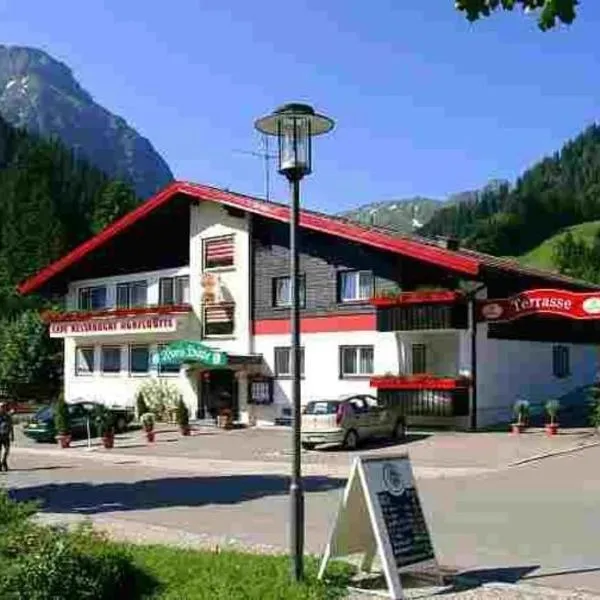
538,522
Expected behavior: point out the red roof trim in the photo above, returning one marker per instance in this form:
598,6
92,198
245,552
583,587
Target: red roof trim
308,219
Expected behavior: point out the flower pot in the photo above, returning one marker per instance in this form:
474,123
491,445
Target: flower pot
64,440
150,435
185,430
551,428
518,428
108,441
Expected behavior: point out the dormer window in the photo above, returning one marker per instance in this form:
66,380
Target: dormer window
218,252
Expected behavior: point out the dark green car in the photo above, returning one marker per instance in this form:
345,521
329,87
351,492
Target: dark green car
41,426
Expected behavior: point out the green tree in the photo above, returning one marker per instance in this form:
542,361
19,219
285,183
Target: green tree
550,11
30,362
116,200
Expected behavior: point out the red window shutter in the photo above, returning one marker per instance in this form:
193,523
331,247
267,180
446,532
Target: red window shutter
219,313
218,251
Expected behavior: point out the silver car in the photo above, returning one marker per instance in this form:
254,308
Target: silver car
349,420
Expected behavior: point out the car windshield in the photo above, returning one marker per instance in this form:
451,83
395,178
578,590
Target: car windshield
321,407
44,413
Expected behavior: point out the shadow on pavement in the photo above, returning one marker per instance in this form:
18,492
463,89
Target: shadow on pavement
376,444
545,574
48,468
89,498
467,580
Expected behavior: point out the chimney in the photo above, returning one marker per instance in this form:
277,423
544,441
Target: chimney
448,243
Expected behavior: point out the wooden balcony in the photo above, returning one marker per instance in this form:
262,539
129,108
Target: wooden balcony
427,310
424,395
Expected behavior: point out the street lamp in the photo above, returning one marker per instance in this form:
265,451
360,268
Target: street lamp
294,124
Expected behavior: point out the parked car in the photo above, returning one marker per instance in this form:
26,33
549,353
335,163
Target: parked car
349,420
41,426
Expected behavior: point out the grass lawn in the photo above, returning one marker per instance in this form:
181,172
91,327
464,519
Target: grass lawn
194,575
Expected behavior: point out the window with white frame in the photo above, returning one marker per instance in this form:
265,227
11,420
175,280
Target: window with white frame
132,294
355,286
139,359
419,358
111,359
356,361
283,361
174,290
282,291
92,298
561,361
84,360
218,252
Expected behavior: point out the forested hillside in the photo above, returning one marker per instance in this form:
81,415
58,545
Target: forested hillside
49,202
560,191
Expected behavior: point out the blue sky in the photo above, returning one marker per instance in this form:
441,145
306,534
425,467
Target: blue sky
425,103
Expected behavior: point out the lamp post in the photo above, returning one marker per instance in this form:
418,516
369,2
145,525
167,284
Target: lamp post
294,125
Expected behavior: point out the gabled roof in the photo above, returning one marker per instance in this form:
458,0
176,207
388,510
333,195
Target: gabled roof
461,261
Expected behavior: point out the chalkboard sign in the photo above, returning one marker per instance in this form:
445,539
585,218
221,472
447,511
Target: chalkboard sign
381,514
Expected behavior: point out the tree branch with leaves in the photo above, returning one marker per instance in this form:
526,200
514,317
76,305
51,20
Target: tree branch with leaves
550,11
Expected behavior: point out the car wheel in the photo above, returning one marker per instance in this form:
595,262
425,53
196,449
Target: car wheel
399,432
351,440
308,446
121,424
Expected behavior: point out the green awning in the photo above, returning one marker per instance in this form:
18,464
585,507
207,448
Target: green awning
180,352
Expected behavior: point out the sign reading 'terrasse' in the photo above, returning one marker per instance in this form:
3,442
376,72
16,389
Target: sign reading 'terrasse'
561,303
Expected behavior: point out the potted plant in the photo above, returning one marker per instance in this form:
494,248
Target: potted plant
521,413
105,426
147,420
61,422
182,416
552,408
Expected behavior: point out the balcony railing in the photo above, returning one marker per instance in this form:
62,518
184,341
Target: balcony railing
424,395
138,311
413,311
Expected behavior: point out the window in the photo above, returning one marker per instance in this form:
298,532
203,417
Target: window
419,358
174,290
84,360
282,291
218,252
283,362
92,298
219,319
167,368
356,361
132,294
354,286
561,363
139,359
111,359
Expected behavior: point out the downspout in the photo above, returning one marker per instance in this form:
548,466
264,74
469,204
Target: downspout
473,331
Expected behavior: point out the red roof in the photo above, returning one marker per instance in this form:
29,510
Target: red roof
411,246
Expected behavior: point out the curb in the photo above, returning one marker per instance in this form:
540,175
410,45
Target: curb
550,454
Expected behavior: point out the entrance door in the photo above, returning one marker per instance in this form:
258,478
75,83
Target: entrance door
218,390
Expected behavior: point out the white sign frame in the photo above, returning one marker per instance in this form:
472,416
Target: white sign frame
367,533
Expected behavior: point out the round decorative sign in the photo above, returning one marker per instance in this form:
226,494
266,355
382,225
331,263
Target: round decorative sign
592,305
392,479
492,311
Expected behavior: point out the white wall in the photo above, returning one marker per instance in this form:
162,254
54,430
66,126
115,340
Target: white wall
207,220
508,370
321,365
446,354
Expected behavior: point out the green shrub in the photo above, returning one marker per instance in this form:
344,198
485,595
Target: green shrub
183,414
140,405
61,416
104,420
552,408
521,410
594,405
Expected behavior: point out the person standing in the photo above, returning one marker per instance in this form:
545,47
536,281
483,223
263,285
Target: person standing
7,435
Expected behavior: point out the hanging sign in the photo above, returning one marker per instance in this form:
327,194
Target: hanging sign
180,352
381,515
561,303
